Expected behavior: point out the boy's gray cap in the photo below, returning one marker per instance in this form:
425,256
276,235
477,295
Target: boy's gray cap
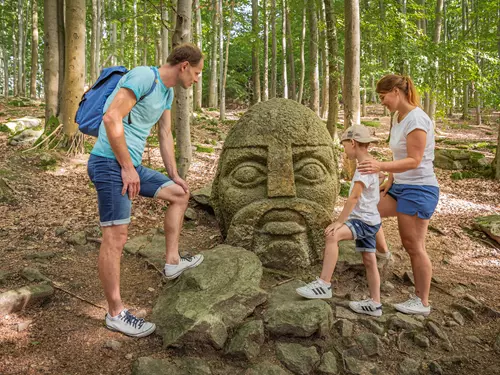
358,133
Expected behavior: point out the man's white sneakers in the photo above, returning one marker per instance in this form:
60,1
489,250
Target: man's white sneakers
173,271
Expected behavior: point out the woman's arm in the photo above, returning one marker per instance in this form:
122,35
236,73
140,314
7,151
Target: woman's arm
415,146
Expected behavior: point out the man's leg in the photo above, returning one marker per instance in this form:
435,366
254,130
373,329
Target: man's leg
113,241
174,217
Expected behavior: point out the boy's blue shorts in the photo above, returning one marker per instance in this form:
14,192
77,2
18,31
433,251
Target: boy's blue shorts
106,175
364,235
415,199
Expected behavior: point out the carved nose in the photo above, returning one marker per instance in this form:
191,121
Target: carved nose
280,179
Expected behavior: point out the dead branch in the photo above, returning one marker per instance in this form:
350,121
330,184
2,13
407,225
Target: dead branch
54,284
282,282
46,139
8,185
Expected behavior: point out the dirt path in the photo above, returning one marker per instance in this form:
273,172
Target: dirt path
66,336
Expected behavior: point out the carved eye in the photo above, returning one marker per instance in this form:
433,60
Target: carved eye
248,175
310,171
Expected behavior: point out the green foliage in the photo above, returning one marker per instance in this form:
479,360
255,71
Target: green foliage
372,124
207,149
4,129
344,189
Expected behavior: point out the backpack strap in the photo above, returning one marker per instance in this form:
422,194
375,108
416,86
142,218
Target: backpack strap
153,86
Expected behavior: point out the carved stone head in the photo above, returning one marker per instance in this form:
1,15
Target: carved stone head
276,184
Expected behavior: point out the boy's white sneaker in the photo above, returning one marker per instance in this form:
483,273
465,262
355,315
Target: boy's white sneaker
413,306
367,306
129,324
173,271
316,289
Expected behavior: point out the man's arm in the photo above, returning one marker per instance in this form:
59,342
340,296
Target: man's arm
167,149
120,107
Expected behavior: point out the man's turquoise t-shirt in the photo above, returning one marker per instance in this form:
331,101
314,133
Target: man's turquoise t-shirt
143,116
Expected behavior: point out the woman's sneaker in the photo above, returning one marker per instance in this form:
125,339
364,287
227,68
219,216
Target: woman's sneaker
413,306
367,306
129,324
173,271
316,289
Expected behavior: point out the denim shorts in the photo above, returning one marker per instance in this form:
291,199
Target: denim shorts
364,235
415,199
106,175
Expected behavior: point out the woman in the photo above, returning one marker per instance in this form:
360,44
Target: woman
412,191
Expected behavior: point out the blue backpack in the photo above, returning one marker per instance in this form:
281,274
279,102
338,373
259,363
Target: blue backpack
90,110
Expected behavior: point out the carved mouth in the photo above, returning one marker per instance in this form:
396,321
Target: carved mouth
282,223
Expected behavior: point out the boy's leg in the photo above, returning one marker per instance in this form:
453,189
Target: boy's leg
332,251
372,275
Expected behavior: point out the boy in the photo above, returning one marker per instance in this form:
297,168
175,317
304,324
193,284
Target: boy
359,220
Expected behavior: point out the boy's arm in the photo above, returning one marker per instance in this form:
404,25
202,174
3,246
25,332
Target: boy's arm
351,201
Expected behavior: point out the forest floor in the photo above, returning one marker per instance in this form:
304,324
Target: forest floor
67,336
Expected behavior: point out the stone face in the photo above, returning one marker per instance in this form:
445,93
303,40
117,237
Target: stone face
290,314
297,358
490,225
247,341
276,184
210,299
183,366
16,300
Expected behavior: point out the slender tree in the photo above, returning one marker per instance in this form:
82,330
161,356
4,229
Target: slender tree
302,54
182,34
61,43
333,85
255,53
50,59
283,49
274,62
212,91
74,61
34,48
313,58
265,75
291,57
198,91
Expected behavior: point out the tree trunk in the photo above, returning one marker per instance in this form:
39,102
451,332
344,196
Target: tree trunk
333,86
20,83
50,58
134,56
283,49
265,76
165,43
436,39
291,57
222,92
351,64
114,59
198,90
212,92
274,66
61,43
93,42
34,48
15,59
182,34
324,63
122,34
302,48
145,38
224,75
75,60
313,57
496,165
255,53
383,50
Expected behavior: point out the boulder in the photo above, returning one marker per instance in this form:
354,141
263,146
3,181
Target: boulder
490,225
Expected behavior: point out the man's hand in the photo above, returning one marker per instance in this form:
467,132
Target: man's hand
179,181
332,228
131,182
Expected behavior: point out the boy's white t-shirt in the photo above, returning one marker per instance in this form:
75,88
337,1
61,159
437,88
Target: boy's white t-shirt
424,173
366,209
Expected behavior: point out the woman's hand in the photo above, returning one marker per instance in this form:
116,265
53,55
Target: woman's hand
369,166
384,188
332,228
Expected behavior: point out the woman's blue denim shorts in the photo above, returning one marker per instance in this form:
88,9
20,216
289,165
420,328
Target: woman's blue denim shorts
106,175
414,200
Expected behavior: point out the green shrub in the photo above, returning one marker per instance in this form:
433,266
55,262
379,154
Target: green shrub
206,149
371,124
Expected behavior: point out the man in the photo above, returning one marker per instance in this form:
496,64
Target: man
141,98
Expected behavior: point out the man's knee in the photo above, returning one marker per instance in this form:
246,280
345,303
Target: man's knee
115,236
174,194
